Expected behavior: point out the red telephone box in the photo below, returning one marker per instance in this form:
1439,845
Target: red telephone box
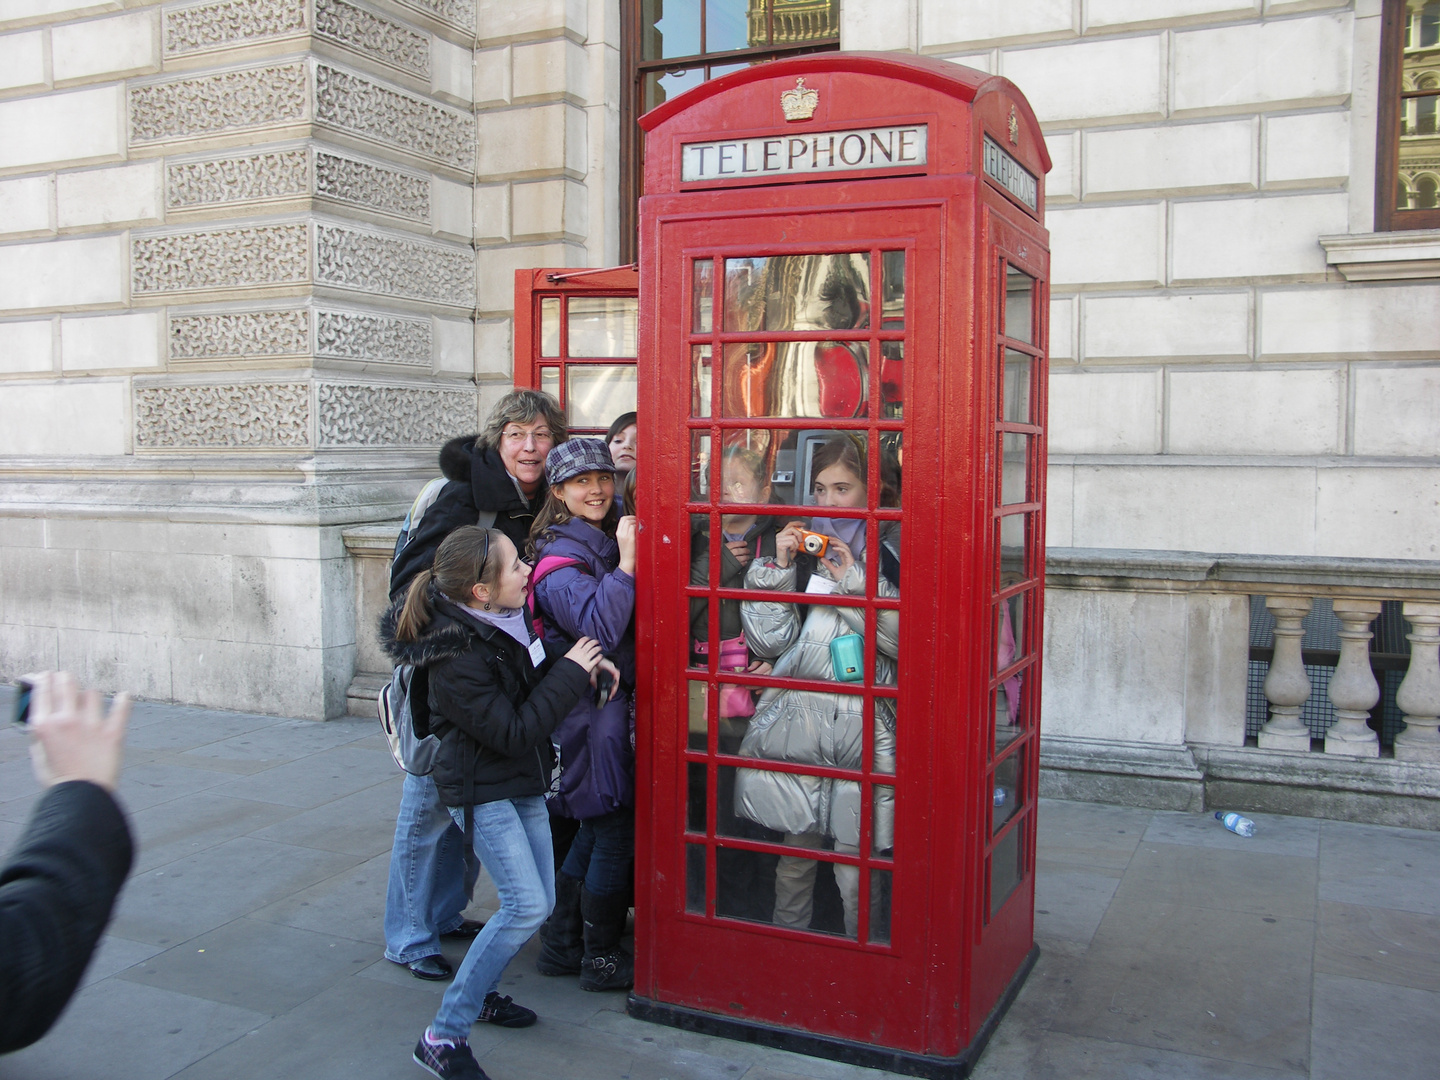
843,301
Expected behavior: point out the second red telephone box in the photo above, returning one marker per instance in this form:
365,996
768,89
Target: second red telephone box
842,382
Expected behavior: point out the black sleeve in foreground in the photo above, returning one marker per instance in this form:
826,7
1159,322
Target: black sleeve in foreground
56,895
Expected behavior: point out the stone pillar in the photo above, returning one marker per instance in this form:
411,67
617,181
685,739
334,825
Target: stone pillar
1353,689
1419,693
1287,686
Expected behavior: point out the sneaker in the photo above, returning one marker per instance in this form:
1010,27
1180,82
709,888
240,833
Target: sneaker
504,1011
448,1061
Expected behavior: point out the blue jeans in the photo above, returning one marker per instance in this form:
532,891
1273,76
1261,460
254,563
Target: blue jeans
427,892
603,853
512,839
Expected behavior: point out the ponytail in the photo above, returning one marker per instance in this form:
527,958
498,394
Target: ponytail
415,615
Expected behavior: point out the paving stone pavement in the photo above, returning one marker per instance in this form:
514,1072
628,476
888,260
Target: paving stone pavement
247,942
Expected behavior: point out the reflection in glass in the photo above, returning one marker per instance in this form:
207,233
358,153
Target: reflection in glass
550,326
798,292
892,380
881,892
1015,467
727,27
702,296
1012,530
702,384
1006,797
892,296
550,381
660,88
603,325
1011,644
1007,867
797,378
744,478
699,716
1015,388
695,878
1007,705
1417,178
669,28
1019,305
596,394
700,465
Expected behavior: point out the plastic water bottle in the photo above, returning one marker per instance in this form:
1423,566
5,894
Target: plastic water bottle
1236,823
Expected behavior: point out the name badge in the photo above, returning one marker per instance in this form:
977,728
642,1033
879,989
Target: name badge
818,584
537,652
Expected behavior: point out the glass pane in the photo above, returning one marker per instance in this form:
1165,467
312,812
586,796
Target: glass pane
1019,305
745,880
728,25
1007,796
702,296
550,381
669,28
892,293
1014,531
1010,641
698,714
798,292
660,88
828,379
1015,387
550,326
603,325
702,385
1009,716
700,465
695,878
696,801
881,891
882,842
1015,465
892,380
1007,865
597,393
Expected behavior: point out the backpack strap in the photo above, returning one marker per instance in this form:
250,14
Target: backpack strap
543,569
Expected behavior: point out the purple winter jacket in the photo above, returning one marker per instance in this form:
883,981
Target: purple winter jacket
593,599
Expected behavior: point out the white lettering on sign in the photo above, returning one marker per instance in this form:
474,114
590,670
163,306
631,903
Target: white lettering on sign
808,154
1010,174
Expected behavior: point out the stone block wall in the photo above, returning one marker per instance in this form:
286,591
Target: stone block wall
237,314
1217,384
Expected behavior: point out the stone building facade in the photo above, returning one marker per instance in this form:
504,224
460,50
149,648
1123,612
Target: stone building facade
256,259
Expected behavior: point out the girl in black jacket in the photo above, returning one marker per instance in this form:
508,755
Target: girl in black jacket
494,698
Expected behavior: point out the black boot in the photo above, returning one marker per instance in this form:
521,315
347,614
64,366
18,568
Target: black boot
606,966
561,940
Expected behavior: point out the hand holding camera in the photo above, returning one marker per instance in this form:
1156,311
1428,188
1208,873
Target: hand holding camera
814,543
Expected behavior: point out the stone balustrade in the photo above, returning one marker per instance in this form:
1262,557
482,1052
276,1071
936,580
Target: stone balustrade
370,548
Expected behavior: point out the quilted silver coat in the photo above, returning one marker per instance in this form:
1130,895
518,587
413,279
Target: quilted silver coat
814,727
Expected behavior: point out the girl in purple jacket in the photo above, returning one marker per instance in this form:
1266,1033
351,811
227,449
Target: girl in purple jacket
585,587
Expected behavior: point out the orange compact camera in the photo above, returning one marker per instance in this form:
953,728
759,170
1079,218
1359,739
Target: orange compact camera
814,543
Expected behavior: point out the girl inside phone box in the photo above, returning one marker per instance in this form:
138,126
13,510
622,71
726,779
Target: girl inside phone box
495,695
585,587
818,727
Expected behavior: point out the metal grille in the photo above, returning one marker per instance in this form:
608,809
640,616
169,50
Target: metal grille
1389,657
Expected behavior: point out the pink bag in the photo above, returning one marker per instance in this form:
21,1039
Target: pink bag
735,701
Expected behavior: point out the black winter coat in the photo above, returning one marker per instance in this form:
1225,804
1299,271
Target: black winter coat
491,708
478,482
56,895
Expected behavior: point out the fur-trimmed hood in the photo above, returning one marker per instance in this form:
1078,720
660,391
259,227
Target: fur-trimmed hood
491,487
446,636
455,457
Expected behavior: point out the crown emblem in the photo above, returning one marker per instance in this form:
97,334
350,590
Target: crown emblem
799,102
1014,127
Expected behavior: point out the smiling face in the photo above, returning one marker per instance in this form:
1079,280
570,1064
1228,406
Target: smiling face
508,590
622,449
588,496
839,487
522,451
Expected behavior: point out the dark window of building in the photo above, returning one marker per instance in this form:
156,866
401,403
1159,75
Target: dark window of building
669,46
1407,190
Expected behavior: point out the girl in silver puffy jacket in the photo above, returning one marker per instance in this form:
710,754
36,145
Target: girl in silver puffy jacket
819,727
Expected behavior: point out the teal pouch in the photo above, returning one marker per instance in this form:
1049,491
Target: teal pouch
847,656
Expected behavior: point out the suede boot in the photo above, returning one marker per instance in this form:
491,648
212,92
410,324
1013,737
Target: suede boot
561,938
606,965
